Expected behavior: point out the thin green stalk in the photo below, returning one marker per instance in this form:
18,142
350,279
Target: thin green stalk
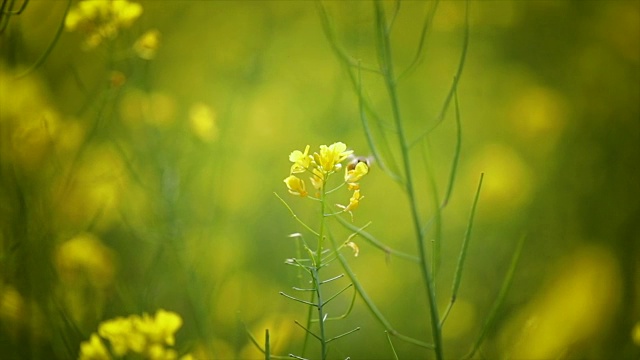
437,216
386,63
393,349
316,280
370,304
463,254
426,25
456,78
506,284
49,48
456,153
320,306
375,242
267,346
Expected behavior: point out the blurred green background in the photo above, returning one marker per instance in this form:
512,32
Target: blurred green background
129,184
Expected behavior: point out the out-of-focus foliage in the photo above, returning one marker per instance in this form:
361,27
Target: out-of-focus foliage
138,162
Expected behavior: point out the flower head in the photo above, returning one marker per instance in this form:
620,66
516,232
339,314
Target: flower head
101,19
149,336
301,160
93,349
352,176
354,201
147,45
331,156
296,186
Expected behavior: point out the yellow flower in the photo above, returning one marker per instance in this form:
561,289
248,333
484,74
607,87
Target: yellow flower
85,255
300,160
101,19
296,186
354,175
122,335
354,201
317,180
203,122
331,156
93,349
147,45
162,328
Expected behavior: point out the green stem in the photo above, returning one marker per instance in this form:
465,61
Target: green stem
314,273
386,65
320,306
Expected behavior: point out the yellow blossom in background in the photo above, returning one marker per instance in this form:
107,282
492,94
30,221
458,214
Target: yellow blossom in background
85,255
331,156
101,19
151,337
147,45
93,349
296,186
301,160
122,335
635,334
161,328
203,122
13,309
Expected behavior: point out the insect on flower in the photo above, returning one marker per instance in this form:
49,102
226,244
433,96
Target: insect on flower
353,160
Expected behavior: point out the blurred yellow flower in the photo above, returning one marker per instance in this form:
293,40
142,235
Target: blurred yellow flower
147,45
122,335
296,186
161,328
144,335
635,334
85,254
203,122
93,349
12,305
101,19
300,160
331,156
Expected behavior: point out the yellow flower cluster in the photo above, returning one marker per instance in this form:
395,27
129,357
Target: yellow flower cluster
320,165
101,19
147,336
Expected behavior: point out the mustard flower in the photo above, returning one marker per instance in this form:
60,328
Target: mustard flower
101,19
123,335
317,180
93,349
352,176
354,201
296,186
162,328
147,45
331,156
301,160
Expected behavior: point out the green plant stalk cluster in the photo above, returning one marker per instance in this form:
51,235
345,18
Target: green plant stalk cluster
403,174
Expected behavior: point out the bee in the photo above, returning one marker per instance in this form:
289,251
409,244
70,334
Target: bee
354,160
